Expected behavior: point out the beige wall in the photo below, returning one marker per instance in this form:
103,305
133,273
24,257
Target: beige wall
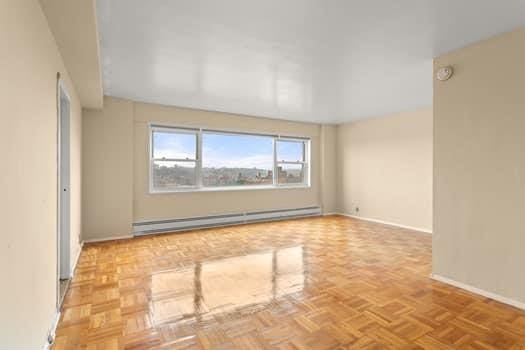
108,170
28,181
479,167
329,168
347,171
385,169
116,145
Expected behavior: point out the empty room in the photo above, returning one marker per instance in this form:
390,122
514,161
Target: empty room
241,174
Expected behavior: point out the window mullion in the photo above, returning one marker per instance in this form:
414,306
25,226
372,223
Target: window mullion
275,179
290,162
198,165
174,160
307,160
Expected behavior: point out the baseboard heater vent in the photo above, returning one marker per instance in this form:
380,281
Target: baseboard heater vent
147,227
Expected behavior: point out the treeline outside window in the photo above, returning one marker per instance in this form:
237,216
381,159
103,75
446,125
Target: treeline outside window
198,159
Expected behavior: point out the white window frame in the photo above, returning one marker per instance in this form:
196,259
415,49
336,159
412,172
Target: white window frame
198,161
305,162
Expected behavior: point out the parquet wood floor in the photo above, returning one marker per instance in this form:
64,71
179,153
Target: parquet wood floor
316,283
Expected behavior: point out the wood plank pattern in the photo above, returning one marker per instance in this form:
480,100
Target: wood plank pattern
316,283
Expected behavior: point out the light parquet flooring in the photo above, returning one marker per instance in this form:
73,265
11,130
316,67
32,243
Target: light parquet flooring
315,283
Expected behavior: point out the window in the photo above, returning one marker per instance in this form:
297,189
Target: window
174,159
290,161
198,159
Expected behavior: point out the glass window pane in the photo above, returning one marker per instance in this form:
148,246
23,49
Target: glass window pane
290,173
169,175
173,145
290,151
236,160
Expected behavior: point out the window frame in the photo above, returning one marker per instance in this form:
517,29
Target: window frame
199,187
152,159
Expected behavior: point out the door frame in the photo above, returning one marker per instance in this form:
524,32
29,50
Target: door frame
63,186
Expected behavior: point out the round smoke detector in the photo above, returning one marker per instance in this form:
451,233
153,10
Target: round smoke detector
444,73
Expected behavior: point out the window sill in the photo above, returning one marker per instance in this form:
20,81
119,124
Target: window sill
228,189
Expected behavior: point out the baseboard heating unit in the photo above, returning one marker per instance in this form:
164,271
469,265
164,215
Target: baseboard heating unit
147,227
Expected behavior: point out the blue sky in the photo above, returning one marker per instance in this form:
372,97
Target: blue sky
171,145
219,150
240,151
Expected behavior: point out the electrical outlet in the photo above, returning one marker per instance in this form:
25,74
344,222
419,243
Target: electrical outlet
357,209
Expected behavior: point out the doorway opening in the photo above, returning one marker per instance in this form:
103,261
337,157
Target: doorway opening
63,224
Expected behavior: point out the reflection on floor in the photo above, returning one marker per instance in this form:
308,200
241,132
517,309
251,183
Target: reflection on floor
317,283
208,288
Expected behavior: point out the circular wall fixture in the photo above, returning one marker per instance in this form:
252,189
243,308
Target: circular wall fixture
444,73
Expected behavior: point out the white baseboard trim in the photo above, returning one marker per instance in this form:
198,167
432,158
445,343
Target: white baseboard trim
329,214
475,290
419,229
74,267
52,332
115,238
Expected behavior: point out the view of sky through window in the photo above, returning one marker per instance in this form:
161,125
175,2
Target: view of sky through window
237,151
289,151
235,159
173,145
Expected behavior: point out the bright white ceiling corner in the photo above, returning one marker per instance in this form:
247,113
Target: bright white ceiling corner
310,60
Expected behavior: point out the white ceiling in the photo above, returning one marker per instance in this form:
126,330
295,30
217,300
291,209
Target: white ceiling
309,60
